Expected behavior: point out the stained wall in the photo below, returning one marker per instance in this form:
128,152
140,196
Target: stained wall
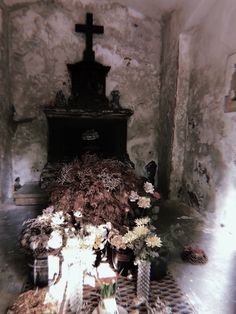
167,107
6,117
203,167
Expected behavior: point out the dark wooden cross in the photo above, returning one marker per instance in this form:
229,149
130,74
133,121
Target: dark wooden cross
89,29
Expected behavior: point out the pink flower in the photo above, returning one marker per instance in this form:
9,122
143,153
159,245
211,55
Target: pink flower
148,187
144,202
157,195
133,196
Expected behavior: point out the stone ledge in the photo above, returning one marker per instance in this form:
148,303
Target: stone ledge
30,194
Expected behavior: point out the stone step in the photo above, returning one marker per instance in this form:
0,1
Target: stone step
30,194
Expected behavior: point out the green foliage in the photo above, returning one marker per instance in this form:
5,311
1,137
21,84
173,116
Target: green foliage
107,289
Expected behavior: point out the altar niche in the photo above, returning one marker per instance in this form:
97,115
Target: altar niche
71,137
88,122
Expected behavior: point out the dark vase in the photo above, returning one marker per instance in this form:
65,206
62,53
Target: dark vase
100,254
159,265
38,267
123,261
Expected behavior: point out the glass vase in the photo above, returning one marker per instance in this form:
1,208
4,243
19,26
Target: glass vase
143,280
108,306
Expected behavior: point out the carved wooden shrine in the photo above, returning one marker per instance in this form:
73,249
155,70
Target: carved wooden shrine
88,121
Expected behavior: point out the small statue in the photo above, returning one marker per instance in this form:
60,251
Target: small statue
17,184
60,99
115,99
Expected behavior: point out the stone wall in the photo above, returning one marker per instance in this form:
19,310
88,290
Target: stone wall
42,41
208,166
6,122
169,71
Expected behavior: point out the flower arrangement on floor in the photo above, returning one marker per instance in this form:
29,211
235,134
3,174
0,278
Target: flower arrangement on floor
52,231
141,239
95,203
98,192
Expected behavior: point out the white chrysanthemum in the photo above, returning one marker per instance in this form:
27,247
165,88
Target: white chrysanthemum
129,237
73,242
55,240
118,242
49,210
98,244
90,228
78,214
108,225
148,187
58,218
141,231
35,243
85,245
144,202
133,197
153,241
45,218
88,241
142,221
102,230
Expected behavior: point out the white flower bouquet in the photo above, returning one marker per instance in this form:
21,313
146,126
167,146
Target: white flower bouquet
52,231
145,203
141,239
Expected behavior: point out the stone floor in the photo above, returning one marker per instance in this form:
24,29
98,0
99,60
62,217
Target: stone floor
210,288
13,269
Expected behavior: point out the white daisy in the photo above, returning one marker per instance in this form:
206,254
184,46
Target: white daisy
153,241
141,231
142,221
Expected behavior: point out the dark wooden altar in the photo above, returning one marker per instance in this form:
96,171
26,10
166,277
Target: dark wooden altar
87,121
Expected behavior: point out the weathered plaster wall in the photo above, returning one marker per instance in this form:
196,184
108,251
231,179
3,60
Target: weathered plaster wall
169,71
6,114
42,40
209,171
180,117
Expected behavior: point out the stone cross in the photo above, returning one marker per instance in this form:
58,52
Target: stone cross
89,29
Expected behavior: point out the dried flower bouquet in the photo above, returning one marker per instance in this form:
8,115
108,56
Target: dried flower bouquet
98,188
